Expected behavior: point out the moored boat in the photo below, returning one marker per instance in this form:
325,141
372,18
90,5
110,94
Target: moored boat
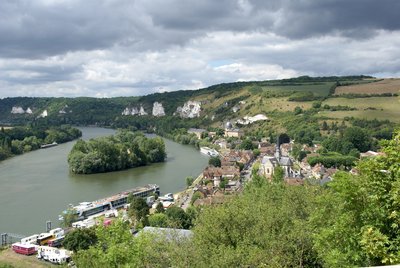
208,151
87,209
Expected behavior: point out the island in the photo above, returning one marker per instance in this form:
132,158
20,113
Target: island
124,150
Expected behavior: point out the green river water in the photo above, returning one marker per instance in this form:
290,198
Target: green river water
37,186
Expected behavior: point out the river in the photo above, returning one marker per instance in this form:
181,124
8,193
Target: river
37,186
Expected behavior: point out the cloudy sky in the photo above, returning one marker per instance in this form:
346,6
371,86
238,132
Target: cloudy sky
107,48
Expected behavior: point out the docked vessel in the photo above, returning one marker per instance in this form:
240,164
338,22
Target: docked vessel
86,209
44,146
208,151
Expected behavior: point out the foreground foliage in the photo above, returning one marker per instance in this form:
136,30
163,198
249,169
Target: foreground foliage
354,221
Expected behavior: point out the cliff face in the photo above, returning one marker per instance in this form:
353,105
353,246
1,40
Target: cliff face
158,109
130,111
190,109
43,114
17,110
142,111
20,110
134,111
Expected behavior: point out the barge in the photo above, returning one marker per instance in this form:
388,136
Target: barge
86,209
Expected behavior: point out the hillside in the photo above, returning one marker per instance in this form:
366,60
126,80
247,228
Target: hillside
214,105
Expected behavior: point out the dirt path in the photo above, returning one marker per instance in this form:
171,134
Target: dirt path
21,261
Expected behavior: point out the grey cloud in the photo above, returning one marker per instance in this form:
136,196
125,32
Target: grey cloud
30,29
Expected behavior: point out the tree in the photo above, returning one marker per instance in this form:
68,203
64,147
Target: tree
316,105
357,220
223,183
247,144
178,217
263,227
302,155
190,179
297,110
325,126
80,239
139,210
195,196
160,208
158,220
360,139
256,152
214,161
69,217
278,175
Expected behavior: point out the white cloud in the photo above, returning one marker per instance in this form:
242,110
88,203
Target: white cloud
121,47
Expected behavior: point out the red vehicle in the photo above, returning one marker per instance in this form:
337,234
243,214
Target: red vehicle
25,249
56,242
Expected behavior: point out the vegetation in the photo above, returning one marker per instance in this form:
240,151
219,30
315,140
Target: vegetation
214,161
19,140
351,222
80,239
124,150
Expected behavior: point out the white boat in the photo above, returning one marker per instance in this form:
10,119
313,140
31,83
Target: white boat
208,151
86,209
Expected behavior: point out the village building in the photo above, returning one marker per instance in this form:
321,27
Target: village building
269,163
216,174
232,132
197,131
222,143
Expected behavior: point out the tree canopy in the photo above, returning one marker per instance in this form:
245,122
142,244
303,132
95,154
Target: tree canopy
124,150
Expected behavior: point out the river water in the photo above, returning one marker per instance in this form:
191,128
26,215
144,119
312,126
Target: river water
37,186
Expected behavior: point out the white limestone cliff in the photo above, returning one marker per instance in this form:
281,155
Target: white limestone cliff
43,114
17,110
190,109
28,111
130,111
158,109
142,111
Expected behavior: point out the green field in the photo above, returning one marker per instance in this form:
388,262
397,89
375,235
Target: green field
386,108
319,89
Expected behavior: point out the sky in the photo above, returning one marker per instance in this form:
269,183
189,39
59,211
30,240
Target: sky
108,48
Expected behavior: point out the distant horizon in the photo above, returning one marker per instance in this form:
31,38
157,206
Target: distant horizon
146,94
115,48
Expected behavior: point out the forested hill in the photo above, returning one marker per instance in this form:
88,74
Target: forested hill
104,111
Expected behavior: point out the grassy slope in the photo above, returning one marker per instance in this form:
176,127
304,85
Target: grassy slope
379,87
386,108
268,97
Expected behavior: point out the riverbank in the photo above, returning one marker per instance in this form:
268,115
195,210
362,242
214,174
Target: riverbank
184,197
9,258
26,181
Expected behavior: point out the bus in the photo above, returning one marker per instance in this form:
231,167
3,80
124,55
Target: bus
44,238
25,249
30,239
56,242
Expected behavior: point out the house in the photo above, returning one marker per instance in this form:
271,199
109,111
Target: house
222,143
212,134
216,174
197,131
320,172
232,132
235,156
